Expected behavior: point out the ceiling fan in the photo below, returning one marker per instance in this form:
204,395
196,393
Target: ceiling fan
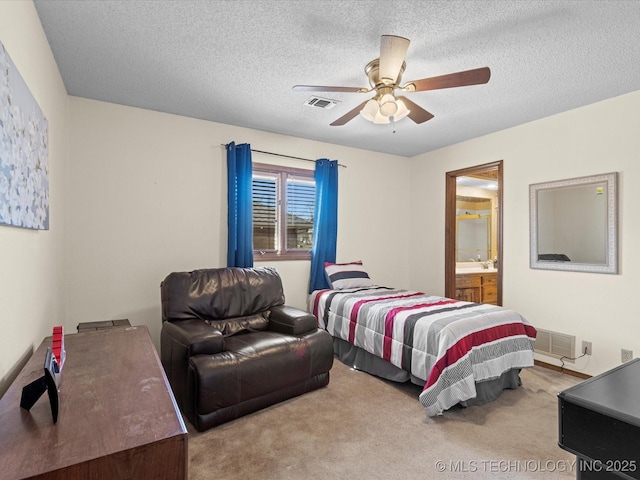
385,75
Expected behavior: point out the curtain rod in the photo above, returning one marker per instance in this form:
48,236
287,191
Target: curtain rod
284,156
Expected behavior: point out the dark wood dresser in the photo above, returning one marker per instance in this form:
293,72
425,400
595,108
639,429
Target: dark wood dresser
599,422
117,418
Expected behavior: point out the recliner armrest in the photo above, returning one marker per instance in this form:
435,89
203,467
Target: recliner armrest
196,336
291,320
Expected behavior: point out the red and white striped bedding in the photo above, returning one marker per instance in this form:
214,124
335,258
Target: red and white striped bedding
450,344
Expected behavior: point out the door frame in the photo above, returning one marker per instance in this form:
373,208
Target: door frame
450,225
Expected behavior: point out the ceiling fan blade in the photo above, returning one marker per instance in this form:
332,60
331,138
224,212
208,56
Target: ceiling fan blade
393,49
350,115
416,112
460,79
322,88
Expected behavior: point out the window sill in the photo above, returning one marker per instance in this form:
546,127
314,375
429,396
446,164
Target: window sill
271,257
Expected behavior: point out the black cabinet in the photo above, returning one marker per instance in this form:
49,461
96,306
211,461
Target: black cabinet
599,422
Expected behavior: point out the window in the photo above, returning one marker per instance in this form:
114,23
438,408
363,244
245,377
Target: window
283,208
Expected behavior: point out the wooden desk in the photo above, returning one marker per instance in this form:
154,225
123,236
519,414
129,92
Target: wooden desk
118,418
599,422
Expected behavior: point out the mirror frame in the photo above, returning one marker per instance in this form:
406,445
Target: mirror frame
611,265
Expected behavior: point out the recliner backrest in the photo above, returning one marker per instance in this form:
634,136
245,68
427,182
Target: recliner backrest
220,293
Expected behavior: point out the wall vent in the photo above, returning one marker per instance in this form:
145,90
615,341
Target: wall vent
555,344
320,102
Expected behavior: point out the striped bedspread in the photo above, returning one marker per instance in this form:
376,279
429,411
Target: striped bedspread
450,344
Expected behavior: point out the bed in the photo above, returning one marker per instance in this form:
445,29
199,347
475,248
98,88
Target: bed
461,352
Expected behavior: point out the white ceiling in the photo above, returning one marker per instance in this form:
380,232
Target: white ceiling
235,62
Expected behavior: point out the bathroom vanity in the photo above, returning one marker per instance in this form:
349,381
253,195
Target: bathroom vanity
479,285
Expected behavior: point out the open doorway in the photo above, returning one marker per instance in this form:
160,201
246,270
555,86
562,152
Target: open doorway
473,234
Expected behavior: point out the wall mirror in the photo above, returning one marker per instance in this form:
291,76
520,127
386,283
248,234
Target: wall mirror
473,227
573,224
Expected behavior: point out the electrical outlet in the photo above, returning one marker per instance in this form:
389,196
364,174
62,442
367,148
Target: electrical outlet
627,355
586,348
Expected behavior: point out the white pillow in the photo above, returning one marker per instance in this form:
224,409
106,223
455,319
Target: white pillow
347,275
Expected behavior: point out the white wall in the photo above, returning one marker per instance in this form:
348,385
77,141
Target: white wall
147,196
598,138
32,262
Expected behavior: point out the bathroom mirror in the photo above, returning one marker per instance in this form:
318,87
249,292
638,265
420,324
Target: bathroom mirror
475,224
573,224
473,238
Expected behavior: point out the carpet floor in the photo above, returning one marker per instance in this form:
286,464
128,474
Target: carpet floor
363,427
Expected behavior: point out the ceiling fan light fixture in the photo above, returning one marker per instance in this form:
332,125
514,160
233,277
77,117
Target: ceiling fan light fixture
381,112
402,112
388,105
370,110
381,119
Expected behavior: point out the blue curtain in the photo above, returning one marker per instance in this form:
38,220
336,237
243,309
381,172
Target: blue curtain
325,222
240,206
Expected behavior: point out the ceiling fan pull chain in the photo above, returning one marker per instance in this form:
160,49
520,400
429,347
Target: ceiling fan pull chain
393,123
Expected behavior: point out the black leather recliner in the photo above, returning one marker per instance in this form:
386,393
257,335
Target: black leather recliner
229,345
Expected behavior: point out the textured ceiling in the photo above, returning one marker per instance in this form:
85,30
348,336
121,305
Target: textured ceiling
235,62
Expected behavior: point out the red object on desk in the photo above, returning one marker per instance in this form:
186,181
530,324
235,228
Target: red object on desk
57,345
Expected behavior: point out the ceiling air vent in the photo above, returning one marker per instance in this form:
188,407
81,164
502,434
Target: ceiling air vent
320,102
